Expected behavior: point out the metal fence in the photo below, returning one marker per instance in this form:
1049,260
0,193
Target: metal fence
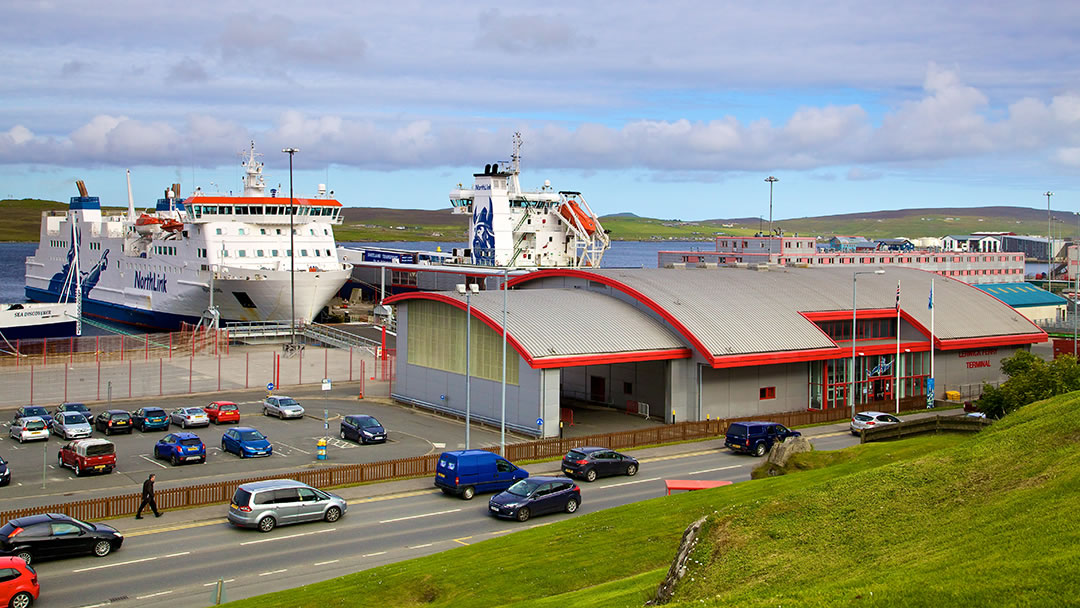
417,466
45,352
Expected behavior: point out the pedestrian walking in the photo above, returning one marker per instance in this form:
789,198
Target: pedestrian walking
148,497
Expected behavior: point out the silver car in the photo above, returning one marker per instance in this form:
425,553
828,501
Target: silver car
71,425
188,417
31,427
279,502
283,407
869,420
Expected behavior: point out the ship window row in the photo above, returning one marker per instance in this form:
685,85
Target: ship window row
95,246
261,253
164,250
299,210
58,244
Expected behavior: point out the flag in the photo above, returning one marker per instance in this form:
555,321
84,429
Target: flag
898,296
930,305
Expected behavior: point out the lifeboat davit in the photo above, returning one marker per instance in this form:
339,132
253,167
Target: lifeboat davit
148,224
570,209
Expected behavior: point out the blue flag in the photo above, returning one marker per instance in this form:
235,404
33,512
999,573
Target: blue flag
931,303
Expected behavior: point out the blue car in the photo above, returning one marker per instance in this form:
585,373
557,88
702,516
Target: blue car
245,441
31,411
536,496
180,447
756,438
150,419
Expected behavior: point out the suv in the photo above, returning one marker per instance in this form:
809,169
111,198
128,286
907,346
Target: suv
85,455
278,502
756,438
283,407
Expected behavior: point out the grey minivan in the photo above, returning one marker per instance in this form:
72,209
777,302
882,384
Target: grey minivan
280,502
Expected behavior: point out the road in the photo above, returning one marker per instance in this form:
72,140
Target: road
179,565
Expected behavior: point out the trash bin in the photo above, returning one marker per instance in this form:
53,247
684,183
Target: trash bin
320,452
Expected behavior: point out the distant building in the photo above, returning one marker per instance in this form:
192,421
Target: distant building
928,243
971,243
895,245
851,243
1034,303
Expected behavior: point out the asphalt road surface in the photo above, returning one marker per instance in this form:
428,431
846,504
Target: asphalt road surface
180,565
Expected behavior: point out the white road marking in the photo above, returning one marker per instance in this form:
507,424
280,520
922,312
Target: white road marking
734,466
294,448
438,444
627,483
373,554
153,461
421,546
143,597
95,605
333,561
390,521
228,580
273,572
268,540
128,563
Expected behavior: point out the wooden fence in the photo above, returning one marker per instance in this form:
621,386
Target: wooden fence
417,466
937,424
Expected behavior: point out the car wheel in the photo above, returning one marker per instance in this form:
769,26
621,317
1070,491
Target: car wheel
333,514
590,475
108,432
759,449
102,548
281,415
78,471
523,514
267,524
59,461
342,434
223,446
26,556
22,599
468,492
631,470
20,440
571,505
175,461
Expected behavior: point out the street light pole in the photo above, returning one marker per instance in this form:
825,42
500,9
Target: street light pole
1049,241
772,180
292,252
854,284
468,289
502,418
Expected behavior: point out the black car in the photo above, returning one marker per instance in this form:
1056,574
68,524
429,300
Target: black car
74,407
536,496
756,438
56,535
5,473
590,463
362,428
113,421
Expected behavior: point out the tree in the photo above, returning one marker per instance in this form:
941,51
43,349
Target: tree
1031,379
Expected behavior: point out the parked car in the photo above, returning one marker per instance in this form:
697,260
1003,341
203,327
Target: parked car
150,419
5,472
33,411
868,420
187,417
73,407
180,447
48,535
466,472
29,429
278,502
756,438
222,411
283,407
88,456
536,496
18,583
71,425
113,421
363,429
245,441
589,463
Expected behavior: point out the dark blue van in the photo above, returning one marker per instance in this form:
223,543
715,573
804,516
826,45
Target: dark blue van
466,472
756,438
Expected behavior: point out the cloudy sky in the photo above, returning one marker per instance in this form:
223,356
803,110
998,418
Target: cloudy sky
673,110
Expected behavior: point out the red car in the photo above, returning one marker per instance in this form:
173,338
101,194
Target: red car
222,411
18,583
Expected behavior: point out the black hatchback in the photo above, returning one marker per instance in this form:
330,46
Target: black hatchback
114,421
589,463
536,496
55,535
362,428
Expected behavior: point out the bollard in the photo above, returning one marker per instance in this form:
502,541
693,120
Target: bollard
320,452
219,592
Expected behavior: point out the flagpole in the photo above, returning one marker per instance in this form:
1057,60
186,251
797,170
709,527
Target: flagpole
896,363
933,382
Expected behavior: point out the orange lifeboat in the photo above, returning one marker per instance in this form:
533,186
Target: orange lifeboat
570,210
172,225
148,224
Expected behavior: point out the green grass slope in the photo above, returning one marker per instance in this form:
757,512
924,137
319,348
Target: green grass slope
989,519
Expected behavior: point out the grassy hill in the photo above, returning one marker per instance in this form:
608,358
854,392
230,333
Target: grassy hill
932,521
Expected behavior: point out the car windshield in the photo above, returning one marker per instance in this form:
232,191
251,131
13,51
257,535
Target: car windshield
35,411
35,425
251,435
99,449
74,419
368,423
79,522
76,407
191,441
287,401
523,487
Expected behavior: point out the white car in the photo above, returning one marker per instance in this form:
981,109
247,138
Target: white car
188,417
869,420
71,425
28,429
283,407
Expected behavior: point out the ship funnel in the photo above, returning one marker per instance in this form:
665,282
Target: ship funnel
82,188
487,169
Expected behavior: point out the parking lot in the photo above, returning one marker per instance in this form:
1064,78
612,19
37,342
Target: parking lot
410,433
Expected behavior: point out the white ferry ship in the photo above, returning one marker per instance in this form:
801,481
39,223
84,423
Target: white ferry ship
156,269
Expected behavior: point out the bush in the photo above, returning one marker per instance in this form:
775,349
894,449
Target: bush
1031,379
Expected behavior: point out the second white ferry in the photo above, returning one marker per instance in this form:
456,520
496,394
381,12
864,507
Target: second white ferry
156,269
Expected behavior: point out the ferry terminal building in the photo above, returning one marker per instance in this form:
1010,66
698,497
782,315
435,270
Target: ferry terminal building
696,343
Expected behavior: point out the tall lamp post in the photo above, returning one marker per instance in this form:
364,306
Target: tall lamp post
468,290
292,253
854,283
502,418
772,180
1049,241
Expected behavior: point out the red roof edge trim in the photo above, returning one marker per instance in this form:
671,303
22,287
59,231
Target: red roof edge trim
644,355
845,315
445,299
637,295
800,356
986,341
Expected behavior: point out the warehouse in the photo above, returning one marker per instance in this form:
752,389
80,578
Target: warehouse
697,343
